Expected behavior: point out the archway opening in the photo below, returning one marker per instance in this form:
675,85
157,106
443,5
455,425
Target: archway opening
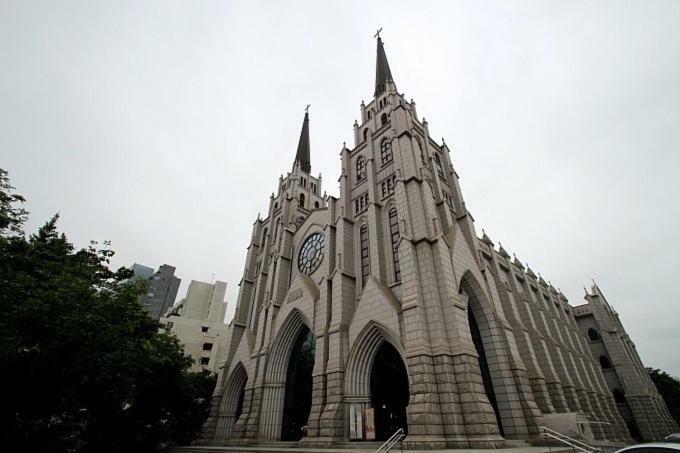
298,397
389,392
484,367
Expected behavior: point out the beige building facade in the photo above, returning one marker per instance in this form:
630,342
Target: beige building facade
383,309
637,398
198,322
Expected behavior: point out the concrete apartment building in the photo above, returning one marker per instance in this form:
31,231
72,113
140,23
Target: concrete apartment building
198,322
162,290
383,309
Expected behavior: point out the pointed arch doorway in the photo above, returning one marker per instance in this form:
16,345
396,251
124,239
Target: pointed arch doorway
389,392
298,395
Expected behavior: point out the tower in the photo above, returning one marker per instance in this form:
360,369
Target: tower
383,310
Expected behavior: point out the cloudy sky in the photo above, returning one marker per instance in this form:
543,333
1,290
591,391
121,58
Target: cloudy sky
164,125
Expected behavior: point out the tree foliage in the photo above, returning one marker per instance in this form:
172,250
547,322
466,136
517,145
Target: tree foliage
669,388
84,369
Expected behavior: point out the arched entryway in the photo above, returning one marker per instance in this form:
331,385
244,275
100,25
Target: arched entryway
480,331
298,394
232,402
389,392
484,367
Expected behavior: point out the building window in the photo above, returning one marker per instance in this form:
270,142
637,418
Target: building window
363,240
394,235
369,114
302,200
438,164
387,185
383,119
316,204
361,168
420,149
593,335
385,151
207,346
264,236
365,134
313,185
276,206
361,203
619,397
205,360
204,329
605,363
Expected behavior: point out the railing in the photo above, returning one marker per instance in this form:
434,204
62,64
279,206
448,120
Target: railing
398,436
573,443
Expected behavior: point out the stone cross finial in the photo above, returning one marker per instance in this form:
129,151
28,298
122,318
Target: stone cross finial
377,33
307,108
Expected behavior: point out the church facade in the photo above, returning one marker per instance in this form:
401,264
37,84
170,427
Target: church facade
383,309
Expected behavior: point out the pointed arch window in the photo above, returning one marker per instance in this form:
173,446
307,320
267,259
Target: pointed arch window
302,200
383,119
394,237
438,164
365,134
385,151
361,168
420,149
605,363
363,241
593,335
264,237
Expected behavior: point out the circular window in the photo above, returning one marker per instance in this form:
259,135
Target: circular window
311,253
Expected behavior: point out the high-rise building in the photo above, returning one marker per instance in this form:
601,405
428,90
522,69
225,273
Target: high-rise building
382,310
198,322
162,290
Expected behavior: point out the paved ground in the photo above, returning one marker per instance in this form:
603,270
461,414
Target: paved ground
272,449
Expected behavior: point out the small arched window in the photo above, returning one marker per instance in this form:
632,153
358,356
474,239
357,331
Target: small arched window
385,151
316,204
361,168
276,206
605,363
383,119
593,335
264,237
619,397
369,115
420,149
438,164
365,134
394,237
302,200
363,241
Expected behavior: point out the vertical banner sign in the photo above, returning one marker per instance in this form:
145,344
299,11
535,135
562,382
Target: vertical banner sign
356,423
369,423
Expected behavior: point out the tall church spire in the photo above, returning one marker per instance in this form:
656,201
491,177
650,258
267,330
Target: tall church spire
302,156
383,75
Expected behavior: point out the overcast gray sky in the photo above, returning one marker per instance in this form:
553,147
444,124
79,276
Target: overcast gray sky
164,125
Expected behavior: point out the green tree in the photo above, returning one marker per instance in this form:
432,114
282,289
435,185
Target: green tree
669,388
84,367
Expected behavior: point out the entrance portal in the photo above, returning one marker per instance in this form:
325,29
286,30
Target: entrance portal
484,367
389,392
298,398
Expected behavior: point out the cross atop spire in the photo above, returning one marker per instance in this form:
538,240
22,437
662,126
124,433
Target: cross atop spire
383,75
302,155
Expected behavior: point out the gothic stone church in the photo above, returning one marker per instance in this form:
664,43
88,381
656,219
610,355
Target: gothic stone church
382,310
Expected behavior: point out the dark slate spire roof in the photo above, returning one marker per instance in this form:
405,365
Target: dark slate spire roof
302,155
382,70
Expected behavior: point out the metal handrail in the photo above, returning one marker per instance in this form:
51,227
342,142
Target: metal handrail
394,438
569,441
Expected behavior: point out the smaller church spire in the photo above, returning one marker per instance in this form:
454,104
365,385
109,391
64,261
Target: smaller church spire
383,75
302,155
